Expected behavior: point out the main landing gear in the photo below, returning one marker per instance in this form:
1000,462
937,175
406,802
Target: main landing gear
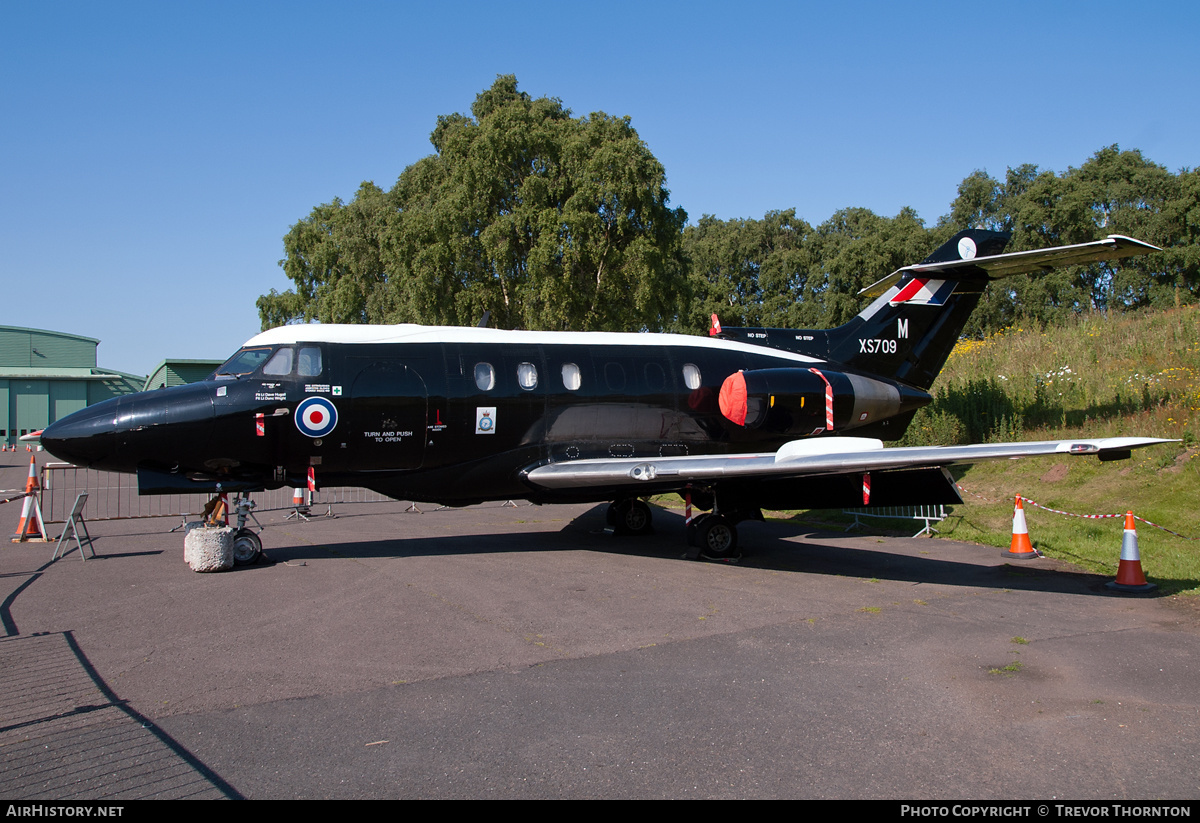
713,535
630,517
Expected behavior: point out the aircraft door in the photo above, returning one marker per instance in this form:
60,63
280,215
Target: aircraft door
389,412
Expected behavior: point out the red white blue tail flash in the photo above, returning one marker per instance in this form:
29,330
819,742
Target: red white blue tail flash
924,291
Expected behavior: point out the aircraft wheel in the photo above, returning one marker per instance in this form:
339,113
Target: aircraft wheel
717,537
631,517
247,548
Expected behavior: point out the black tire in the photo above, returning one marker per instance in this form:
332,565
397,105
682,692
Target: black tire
632,517
717,537
247,548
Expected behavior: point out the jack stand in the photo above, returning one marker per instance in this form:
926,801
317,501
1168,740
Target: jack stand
412,507
299,513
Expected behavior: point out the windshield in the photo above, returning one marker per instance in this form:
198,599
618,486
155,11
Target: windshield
244,362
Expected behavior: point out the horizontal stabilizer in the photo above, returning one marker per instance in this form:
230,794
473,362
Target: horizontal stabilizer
1113,247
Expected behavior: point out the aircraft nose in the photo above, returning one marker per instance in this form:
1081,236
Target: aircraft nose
86,437
122,433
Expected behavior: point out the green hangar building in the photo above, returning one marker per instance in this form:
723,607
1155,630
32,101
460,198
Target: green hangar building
46,375
178,372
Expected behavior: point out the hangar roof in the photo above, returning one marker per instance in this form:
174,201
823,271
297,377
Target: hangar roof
61,373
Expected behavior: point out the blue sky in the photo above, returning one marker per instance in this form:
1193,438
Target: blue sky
153,155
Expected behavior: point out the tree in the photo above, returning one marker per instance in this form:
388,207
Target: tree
333,257
1113,192
724,258
545,220
855,248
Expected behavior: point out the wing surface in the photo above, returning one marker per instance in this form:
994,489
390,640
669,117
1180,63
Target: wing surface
818,456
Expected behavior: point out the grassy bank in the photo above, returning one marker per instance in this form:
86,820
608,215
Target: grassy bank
1136,374
1129,374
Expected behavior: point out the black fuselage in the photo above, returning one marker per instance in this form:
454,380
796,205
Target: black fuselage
456,422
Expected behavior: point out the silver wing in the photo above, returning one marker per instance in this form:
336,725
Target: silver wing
817,456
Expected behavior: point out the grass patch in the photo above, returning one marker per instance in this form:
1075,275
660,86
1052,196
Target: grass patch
1141,485
1009,670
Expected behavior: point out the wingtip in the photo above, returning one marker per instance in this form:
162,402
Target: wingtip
1133,242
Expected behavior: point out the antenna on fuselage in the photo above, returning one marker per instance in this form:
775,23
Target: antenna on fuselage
484,319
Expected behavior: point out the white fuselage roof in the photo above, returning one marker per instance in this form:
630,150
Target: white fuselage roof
412,333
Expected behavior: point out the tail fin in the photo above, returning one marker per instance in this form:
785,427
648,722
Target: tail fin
919,311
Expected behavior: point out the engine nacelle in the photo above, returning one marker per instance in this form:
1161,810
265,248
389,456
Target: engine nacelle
803,401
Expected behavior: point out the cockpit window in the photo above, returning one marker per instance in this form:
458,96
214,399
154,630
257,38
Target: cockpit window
245,361
310,362
281,363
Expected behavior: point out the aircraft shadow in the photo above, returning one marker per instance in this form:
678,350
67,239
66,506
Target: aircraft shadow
776,546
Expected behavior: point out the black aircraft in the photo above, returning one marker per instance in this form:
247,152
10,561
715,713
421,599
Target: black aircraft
742,420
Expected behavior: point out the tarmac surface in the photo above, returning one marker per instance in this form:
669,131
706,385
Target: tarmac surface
500,652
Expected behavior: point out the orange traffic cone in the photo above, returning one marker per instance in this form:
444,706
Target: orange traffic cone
31,525
1021,548
1129,571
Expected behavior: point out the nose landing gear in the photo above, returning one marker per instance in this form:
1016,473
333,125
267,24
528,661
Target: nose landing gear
247,545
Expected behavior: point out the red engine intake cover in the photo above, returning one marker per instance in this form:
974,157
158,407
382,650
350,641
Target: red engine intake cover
732,399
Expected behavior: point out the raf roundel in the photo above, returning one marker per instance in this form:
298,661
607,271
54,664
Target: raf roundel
316,417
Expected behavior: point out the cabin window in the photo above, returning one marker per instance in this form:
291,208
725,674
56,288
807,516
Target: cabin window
572,379
281,363
614,376
309,364
527,376
656,378
485,376
691,376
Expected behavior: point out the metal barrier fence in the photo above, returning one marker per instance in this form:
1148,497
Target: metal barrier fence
930,514
114,496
